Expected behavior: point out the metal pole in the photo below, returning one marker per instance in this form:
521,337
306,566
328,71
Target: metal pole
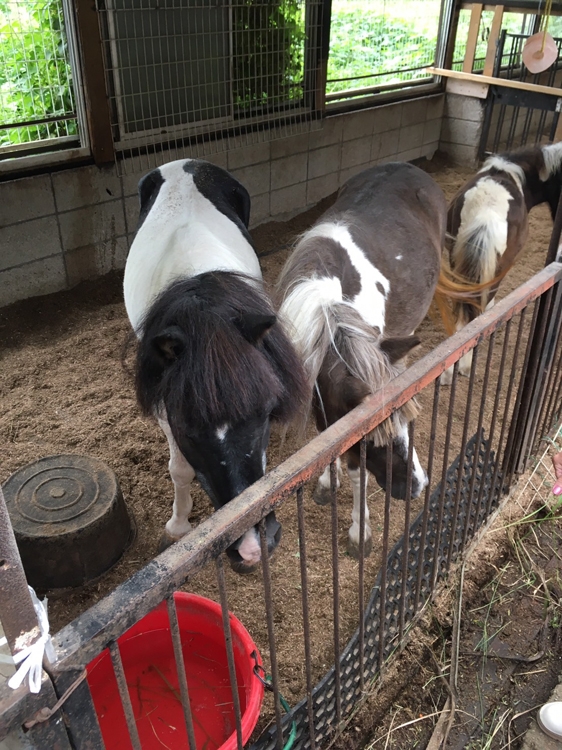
17,613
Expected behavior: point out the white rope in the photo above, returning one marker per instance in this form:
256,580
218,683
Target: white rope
30,658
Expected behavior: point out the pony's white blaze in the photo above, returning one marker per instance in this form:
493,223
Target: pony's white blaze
221,432
504,165
370,302
249,549
417,469
174,241
552,155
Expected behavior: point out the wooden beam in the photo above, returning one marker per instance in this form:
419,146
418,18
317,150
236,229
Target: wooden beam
472,39
495,32
506,82
93,75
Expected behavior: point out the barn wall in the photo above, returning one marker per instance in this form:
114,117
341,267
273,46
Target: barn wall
61,228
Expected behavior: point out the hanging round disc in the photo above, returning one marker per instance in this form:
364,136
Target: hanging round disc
69,519
537,56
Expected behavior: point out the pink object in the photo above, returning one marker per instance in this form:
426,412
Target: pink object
539,52
148,660
557,489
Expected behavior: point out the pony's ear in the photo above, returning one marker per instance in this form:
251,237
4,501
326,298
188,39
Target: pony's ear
397,348
169,344
254,326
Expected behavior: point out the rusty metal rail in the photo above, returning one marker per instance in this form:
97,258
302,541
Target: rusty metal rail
473,466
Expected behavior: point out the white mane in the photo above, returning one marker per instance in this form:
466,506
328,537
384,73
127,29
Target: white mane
504,165
552,155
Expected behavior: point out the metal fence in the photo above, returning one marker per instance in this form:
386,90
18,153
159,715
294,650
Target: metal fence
312,606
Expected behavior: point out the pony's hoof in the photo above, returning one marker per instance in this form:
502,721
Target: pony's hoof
165,541
242,569
322,495
353,547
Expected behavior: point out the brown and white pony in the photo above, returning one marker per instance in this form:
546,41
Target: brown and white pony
352,293
487,223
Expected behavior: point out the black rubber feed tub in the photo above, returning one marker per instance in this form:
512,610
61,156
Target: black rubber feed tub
69,518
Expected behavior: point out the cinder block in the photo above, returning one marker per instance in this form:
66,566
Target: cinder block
288,201
409,154
85,186
331,132
291,170
246,156
321,187
260,209
350,172
356,152
458,153
96,260
219,159
432,130
358,124
29,241
463,108
289,145
464,132
33,279
388,144
414,112
132,208
91,225
323,161
411,136
29,198
435,106
387,118
429,149
255,179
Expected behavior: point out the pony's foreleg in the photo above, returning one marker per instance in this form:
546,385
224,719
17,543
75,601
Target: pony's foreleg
182,475
465,363
354,473
322,494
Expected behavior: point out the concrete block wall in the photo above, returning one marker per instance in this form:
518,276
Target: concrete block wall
463,117
61,228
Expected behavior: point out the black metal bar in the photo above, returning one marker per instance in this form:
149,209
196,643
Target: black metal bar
180,669
495,410
431,453
385,535
554,242
445,466
506,452
306,618
361,581
335,583
406,536
271,634
554,391
124,695
229,651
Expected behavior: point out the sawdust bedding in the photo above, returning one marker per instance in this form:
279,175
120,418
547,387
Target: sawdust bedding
63,390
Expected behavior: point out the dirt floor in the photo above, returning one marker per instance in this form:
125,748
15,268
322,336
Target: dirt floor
63,390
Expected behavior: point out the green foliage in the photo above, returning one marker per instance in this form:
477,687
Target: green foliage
268,52
35,78
365,45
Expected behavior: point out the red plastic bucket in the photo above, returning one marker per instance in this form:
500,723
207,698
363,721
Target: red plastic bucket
148,660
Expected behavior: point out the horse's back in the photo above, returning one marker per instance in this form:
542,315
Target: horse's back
193,219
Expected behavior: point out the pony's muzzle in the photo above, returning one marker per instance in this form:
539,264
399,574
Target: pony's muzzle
273,532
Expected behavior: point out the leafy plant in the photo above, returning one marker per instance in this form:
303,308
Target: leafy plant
35,75
268,47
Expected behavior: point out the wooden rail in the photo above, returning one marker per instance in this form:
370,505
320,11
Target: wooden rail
493,81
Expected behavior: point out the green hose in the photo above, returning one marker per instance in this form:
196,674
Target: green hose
293,735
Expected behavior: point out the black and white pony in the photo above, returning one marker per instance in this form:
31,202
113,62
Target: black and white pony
487,223
213,364
352,293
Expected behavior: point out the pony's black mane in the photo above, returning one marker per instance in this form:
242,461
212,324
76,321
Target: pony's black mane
217,377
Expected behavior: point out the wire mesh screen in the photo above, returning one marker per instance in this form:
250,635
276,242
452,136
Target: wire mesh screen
190,74
380,45
37,102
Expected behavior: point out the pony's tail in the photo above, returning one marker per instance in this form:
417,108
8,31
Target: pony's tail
462,290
